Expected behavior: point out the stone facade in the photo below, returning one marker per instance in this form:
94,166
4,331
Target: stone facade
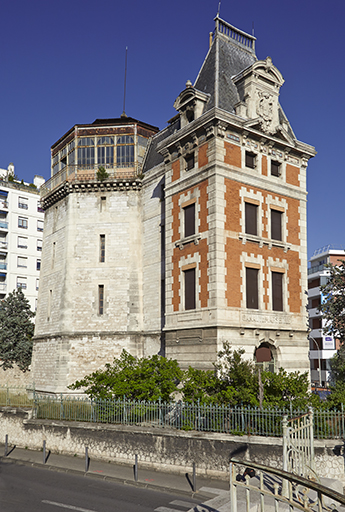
205,235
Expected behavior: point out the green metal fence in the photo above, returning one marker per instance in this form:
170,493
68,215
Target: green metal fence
176,415
185,416
16,396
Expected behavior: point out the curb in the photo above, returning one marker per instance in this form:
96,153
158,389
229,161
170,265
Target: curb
108,478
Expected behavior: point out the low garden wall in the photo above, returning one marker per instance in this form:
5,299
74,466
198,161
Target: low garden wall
158,448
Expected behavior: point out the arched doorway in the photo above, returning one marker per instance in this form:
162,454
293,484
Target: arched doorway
264,357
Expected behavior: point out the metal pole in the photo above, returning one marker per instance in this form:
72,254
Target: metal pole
136,468
44,452
285,491
86,459
194,478
6,445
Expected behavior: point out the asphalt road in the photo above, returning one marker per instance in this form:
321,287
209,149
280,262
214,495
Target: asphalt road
29,489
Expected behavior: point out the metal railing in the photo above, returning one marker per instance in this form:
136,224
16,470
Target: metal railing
73,173
236,420
16,396
266,485
227,419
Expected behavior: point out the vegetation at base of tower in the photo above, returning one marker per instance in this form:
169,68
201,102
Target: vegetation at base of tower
102,174
234,381
143,378
16,331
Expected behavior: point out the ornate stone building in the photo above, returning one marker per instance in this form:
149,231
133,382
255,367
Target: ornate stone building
203,241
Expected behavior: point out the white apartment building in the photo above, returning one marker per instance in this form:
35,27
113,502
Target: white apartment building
322,346
21,233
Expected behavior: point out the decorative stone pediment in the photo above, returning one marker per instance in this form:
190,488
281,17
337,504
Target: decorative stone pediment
258,87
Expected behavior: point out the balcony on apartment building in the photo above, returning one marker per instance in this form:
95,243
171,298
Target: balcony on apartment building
84,173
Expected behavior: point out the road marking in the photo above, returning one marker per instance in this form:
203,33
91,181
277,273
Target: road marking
70,507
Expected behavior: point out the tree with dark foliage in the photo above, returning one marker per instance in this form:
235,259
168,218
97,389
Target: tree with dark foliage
16,331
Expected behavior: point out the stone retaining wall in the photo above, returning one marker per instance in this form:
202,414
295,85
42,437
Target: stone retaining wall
162,449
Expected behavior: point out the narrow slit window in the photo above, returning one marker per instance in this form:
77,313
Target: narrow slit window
102,248
101,299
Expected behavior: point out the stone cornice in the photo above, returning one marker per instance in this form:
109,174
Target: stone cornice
232,121
108,185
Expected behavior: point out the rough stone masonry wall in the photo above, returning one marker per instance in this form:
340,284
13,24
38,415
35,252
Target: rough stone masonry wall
161,449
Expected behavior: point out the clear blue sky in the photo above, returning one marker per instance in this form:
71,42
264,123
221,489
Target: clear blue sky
62,63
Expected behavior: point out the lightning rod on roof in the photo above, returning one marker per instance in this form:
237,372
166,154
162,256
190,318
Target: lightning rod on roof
219,8
252,28
124,87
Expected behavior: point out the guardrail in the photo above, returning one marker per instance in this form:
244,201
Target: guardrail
73,173
267,483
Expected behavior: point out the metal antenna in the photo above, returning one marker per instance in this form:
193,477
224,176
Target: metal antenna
124,88
219,8
252,28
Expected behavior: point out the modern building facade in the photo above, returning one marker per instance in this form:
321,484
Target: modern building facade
322,346
201,242
21,235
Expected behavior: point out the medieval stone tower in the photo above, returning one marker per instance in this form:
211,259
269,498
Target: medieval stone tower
202,241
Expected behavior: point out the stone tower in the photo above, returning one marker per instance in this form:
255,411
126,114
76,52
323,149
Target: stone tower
90,303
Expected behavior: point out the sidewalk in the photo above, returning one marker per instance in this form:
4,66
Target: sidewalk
165,482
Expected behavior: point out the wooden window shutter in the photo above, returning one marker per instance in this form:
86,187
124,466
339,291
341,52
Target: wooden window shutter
252,288
189,220
277,291
276,224
189,288
251,219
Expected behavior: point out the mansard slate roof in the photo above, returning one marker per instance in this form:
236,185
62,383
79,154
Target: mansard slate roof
232,59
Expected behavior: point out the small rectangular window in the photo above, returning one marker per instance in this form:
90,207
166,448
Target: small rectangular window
53,254
275,168
22,262
50,301
277,291
102,248
251,223
102,204
39,207
252,294
189,220
22,282
22,242
189,288
39,245
276,224
23,202
250,160
22,222
40,225
38,264
100,299
189,159
37,283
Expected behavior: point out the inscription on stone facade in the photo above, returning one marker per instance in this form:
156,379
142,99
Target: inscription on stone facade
254,318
